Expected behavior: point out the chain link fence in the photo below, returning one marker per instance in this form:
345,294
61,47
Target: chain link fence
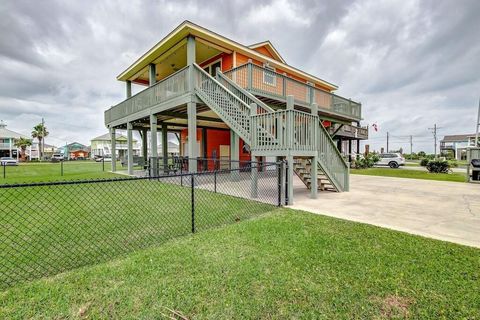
48,228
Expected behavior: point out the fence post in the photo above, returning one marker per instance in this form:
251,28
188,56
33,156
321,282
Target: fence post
181,172
279,181
4,171
193,202
215,180
61,168
249,74
103,164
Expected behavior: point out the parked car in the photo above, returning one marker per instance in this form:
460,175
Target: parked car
393,160
8,161
104,158
57,157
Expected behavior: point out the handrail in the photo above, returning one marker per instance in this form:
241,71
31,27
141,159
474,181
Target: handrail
304,93
222,86
169,88
150,87
254,99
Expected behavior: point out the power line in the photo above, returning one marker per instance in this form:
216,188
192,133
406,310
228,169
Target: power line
434,131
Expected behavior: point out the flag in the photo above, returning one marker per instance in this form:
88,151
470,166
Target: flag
375,126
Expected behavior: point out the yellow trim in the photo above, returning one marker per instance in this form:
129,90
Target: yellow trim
188,28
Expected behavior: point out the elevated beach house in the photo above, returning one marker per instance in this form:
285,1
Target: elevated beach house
225,99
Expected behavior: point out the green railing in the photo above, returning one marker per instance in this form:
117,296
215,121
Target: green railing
169,88
331,160
287,130
264,82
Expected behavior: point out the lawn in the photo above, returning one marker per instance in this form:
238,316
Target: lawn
283,264
48,171
411,174
47,229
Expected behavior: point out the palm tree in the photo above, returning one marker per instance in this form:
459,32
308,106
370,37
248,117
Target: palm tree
23,143
40,132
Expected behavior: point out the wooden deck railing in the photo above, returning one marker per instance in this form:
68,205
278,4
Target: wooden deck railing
171,87
287,130
270,84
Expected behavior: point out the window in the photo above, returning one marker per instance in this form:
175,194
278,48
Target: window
269,76
212,67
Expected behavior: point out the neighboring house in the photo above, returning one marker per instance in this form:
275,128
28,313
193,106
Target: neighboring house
33,151
228,100
7,142
102,146
75,151
457,145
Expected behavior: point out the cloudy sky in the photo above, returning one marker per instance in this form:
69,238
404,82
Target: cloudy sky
410,63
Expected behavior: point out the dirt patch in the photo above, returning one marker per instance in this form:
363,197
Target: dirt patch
394,307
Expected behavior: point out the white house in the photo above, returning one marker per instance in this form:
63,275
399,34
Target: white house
7,142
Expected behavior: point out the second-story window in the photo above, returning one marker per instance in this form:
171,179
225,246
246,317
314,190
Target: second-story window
269,76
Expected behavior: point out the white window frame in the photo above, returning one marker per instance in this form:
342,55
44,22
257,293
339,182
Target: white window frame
209,66
273,83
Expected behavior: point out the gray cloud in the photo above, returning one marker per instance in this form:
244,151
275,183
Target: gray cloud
411,63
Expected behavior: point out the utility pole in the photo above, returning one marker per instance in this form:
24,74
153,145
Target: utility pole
478,125
43,138
387,142
434,131
411,144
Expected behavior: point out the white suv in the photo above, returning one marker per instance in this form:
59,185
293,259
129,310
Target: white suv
393,160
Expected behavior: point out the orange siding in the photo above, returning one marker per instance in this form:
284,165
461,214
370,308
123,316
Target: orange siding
227,61
263,50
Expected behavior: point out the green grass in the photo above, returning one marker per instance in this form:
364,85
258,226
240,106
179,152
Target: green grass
411,174
48,171
284,264
51,229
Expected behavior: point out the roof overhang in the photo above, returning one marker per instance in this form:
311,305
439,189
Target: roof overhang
186,28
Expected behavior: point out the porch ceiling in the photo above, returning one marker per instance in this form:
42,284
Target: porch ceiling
175,59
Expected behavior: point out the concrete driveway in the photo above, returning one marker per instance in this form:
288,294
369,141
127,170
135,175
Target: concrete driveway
442,210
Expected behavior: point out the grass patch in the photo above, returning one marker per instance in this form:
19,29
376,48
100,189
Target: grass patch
411,174
54,228
285,264
49,171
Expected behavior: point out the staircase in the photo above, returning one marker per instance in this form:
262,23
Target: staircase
303,168
266,130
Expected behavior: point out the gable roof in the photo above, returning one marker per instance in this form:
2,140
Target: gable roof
5,133
186,28
457,137
270,48
106,137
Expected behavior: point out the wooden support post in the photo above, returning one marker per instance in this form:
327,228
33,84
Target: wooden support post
234,155
290,179
129,148
128,88
152,74
192,136
114,149
165,145
153,146
314,177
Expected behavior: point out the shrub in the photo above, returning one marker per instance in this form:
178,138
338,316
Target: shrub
438,166
424,162
453,163
367,161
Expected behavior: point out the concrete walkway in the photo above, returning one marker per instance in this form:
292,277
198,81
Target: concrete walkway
442,210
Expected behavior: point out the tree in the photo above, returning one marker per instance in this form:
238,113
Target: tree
40,132
23,143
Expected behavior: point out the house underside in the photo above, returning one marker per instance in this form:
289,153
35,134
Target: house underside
225,100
